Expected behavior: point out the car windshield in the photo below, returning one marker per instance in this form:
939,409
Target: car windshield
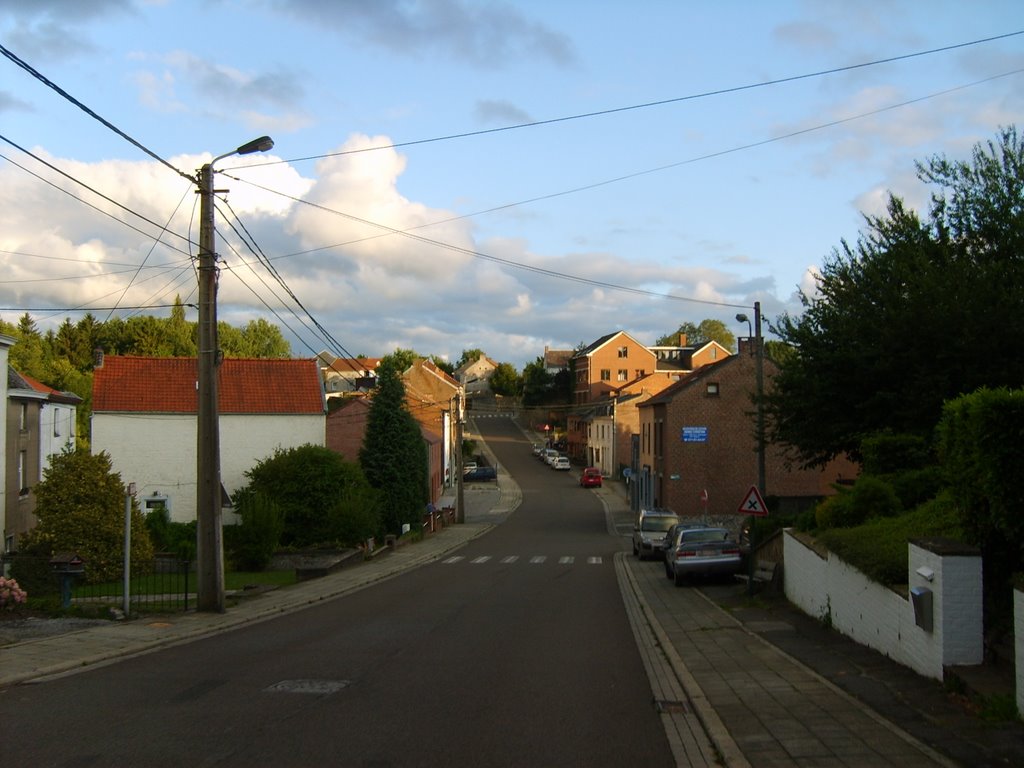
657,523
712,534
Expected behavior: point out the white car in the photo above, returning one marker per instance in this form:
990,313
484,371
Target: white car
548,455
562,462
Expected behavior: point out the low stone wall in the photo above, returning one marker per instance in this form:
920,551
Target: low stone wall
313,563
943,629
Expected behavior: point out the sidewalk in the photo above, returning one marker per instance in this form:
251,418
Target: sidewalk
774,687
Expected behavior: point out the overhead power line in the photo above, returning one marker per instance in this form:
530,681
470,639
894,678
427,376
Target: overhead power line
649,104
50,84
387,230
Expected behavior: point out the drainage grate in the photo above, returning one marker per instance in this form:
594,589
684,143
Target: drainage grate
671,707
316,687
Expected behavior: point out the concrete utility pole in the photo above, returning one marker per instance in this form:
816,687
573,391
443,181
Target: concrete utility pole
209,536
460,498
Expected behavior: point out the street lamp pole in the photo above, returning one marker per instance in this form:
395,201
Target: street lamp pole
209,537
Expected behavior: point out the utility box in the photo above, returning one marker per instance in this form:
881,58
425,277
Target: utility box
921,597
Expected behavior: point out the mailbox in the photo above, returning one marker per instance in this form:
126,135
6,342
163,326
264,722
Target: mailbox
921,597
68,566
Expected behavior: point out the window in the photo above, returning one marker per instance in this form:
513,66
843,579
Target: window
623,351
606,374
623,374
156,501
712,389
23,419
58,414
22,473
714,353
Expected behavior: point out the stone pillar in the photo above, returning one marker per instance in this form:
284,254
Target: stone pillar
952,571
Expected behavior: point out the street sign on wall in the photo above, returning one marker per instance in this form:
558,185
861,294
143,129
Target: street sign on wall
695,434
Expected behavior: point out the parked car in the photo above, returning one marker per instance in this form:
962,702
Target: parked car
536,449
468,466
562,462
478,474
649,530
591,477
699,552
548,455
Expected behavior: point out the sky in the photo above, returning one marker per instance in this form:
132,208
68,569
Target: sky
458,174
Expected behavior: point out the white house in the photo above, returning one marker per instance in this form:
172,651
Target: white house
144,417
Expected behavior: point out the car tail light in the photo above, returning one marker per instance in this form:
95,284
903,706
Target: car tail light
731,551
686,553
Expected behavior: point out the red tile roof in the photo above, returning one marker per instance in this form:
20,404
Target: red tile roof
168,385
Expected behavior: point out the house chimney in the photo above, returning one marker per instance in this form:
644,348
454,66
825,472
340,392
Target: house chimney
682,339
97,357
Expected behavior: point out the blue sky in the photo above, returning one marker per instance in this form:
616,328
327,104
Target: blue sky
737,181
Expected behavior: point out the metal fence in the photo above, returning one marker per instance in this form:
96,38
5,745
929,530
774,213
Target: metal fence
161,585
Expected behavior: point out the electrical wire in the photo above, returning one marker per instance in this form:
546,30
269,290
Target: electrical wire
649,104
576,278
96,192
50,84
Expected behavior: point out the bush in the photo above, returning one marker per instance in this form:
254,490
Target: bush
870,497
254,541
80,503
879,547
316,491
177,538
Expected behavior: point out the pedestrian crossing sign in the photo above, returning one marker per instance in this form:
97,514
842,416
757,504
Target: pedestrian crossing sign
753,504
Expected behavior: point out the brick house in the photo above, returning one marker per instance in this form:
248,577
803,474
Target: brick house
615,367
699,435
144,417
41,422
431,397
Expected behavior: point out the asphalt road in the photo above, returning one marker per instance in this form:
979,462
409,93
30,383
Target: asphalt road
515,651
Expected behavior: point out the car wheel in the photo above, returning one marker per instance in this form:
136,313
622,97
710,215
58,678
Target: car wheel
668,572
679,579
636,552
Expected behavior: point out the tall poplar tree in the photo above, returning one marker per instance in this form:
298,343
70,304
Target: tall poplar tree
394,455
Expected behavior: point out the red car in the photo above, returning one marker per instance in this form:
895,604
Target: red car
591,478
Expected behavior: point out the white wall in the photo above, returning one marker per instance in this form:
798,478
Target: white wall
158,452
1018,640
56,431
824,586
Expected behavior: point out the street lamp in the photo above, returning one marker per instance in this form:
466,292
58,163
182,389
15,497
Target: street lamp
742,318
209,537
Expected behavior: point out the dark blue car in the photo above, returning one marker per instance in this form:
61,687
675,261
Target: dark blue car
480,473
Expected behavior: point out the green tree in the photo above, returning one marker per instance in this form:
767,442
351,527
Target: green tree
29,355
697,335
538,384
909,316
506,381
180,333
264,340
393,454
313,487
80,504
